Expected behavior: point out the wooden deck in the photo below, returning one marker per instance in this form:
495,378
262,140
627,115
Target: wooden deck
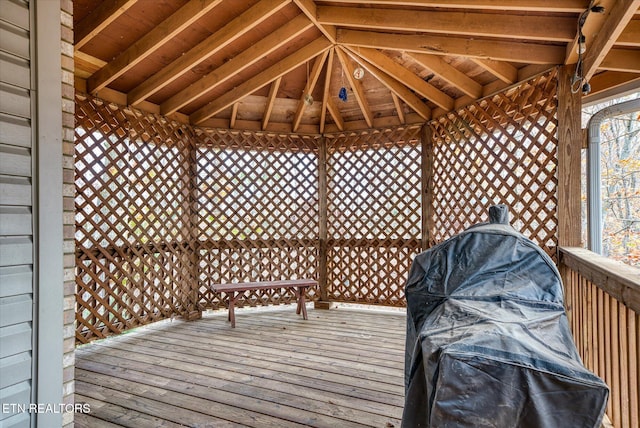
341,368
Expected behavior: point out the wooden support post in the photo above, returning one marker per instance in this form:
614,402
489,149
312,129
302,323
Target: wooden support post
427,185
569,160
324,302
191,142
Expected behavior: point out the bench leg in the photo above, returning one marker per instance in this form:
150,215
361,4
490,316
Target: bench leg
232,314
301,303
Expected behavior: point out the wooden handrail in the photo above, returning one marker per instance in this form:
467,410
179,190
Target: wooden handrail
619,280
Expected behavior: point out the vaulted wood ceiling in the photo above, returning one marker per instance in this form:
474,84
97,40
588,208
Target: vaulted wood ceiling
252,64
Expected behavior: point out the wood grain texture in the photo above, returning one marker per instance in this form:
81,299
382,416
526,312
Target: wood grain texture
605,326
569,160
291,374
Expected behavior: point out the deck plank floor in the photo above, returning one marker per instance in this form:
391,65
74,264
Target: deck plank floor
341,368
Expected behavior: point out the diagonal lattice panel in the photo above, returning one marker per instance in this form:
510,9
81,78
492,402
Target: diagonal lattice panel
257,205
374,214
134,263
159,194
499,150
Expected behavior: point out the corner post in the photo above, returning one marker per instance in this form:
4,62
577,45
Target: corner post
569,159
426,137
48,263
324,302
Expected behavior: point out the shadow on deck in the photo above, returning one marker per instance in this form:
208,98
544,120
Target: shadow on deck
341,368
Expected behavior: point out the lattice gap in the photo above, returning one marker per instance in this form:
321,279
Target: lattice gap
163,210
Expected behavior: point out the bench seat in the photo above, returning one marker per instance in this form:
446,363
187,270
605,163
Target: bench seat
235,290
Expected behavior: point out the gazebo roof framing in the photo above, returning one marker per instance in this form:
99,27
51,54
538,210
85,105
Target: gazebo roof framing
279,65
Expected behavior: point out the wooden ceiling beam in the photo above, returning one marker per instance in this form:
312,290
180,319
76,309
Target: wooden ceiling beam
592,25
356,86
398,106
265,77
502,70
150,42
309,87
618,16
568,6
99,19
497,86
449,73
528,53
378,123
309,8
86,65
527,27
334,111
271,99
396,87
207,48
404,93
234,115
246,58
406,77
624,60
326,93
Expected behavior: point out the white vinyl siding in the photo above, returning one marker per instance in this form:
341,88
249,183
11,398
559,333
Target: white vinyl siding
16,207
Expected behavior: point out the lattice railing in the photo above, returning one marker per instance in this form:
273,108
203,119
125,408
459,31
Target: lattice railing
164,211
501,149
257,205
133,225
373,214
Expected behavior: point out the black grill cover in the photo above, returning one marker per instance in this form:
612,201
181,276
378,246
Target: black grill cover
488,341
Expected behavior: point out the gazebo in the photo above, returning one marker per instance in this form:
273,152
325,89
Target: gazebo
228,141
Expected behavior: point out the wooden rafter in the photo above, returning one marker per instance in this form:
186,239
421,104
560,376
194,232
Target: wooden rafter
150,42
531,53
205,49
475,48
308,7
248,57
356,86
98,20
502,70
449,73
394,85
592,25
271,99
89,64
309,87
520,5
549,28
334,111
399,111
618,16
326,95
234,115
266,76
406,77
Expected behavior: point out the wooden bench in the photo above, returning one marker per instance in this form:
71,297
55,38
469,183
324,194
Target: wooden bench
235,290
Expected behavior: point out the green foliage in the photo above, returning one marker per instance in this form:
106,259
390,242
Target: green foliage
620,165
